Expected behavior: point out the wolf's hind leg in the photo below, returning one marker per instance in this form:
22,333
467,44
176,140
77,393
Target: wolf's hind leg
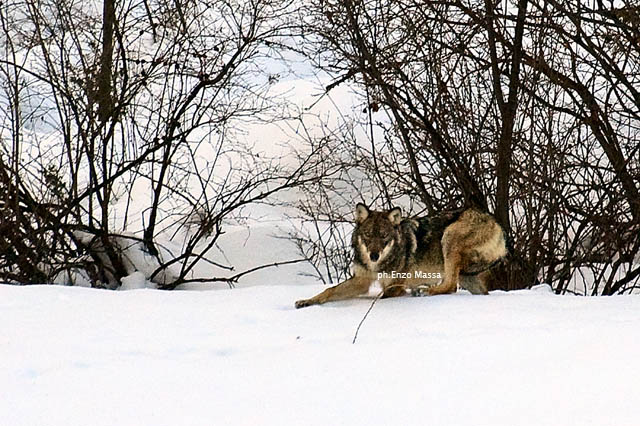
475,284
345,290
446,287
451,273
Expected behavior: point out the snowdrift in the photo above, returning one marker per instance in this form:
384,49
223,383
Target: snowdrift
76,356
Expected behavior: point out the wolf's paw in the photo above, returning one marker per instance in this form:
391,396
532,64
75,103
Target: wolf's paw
303,303
441,289
394,292
420,291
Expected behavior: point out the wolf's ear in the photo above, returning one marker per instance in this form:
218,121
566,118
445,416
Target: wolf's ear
361,213
395,215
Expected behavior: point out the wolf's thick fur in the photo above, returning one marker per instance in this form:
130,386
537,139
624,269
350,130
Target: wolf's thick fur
461,246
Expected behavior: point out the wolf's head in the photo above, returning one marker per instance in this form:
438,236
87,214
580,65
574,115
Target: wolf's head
377,236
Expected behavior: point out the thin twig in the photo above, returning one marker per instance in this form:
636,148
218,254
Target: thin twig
355,336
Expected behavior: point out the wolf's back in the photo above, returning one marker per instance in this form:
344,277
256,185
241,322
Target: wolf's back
430,227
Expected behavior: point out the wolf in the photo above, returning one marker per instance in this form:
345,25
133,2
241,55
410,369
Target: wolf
431,255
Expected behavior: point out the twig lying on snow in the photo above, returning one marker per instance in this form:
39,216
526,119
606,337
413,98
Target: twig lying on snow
379,296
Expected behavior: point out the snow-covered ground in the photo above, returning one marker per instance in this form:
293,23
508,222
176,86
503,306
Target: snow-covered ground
77,356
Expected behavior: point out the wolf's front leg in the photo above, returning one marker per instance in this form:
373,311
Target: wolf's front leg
345,290
394,289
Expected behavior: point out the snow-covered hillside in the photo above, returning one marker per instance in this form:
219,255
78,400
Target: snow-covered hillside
76,356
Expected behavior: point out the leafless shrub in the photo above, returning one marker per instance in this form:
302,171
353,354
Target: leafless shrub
106,107
527,108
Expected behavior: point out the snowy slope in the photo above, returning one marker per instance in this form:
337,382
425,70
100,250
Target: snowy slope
76,356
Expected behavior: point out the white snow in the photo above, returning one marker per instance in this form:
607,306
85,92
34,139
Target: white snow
77,356
135,280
